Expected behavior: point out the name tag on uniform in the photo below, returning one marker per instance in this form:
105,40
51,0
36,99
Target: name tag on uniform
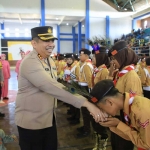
46,69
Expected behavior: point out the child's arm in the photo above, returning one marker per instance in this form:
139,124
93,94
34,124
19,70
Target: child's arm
140,137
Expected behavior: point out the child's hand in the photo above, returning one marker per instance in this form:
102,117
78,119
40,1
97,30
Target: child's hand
15,138
111,122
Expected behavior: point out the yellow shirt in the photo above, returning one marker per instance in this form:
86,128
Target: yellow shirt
85,75
60,68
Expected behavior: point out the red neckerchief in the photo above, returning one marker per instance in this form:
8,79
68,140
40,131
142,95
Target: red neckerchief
123,72
96,70
88,60
126,117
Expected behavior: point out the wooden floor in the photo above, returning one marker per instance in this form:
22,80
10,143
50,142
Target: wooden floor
66,134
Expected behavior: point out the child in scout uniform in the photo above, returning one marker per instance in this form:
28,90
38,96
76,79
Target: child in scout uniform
143,63
69,69
134,111
85,81
145,78
100,60
60,66
126,80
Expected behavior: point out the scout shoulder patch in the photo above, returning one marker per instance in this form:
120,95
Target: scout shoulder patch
114,52
145,124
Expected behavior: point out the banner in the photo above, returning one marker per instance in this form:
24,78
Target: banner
14,48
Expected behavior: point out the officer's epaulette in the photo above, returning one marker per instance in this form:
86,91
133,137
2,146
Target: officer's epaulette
40,56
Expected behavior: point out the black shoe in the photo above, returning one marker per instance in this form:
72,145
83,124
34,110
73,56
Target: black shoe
81,129
82,135
74,122
2,115
70,118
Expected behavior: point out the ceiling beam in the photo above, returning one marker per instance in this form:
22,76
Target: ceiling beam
19,18
75,24
116,3
62,19
79,21
82,19
126,3
132,6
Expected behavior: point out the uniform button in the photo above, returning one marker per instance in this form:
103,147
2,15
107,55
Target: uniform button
46,69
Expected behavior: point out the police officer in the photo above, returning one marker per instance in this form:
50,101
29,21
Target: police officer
37,90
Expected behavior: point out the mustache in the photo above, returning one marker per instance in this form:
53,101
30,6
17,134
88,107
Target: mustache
50,47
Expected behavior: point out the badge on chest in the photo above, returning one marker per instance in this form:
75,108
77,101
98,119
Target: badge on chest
47,69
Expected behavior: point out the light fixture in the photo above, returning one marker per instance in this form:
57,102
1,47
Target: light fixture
83,26
16,29
56,18
125,9
67,24
118,6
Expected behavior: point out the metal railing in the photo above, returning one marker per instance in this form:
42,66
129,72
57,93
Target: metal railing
142,50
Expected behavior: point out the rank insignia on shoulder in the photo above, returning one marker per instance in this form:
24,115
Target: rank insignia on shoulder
145,124
46,69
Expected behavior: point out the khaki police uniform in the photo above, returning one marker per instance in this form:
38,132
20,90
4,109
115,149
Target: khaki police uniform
139,129
37,91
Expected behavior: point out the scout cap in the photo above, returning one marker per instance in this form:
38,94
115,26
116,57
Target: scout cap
44,33
101,89
118,46
84,51
69,55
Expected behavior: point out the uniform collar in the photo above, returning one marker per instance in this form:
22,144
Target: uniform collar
101,66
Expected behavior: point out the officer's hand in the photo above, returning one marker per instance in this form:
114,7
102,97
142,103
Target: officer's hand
97,114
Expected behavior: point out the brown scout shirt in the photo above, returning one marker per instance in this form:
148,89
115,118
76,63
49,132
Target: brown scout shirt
86,73
139,130
102,74
129,82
